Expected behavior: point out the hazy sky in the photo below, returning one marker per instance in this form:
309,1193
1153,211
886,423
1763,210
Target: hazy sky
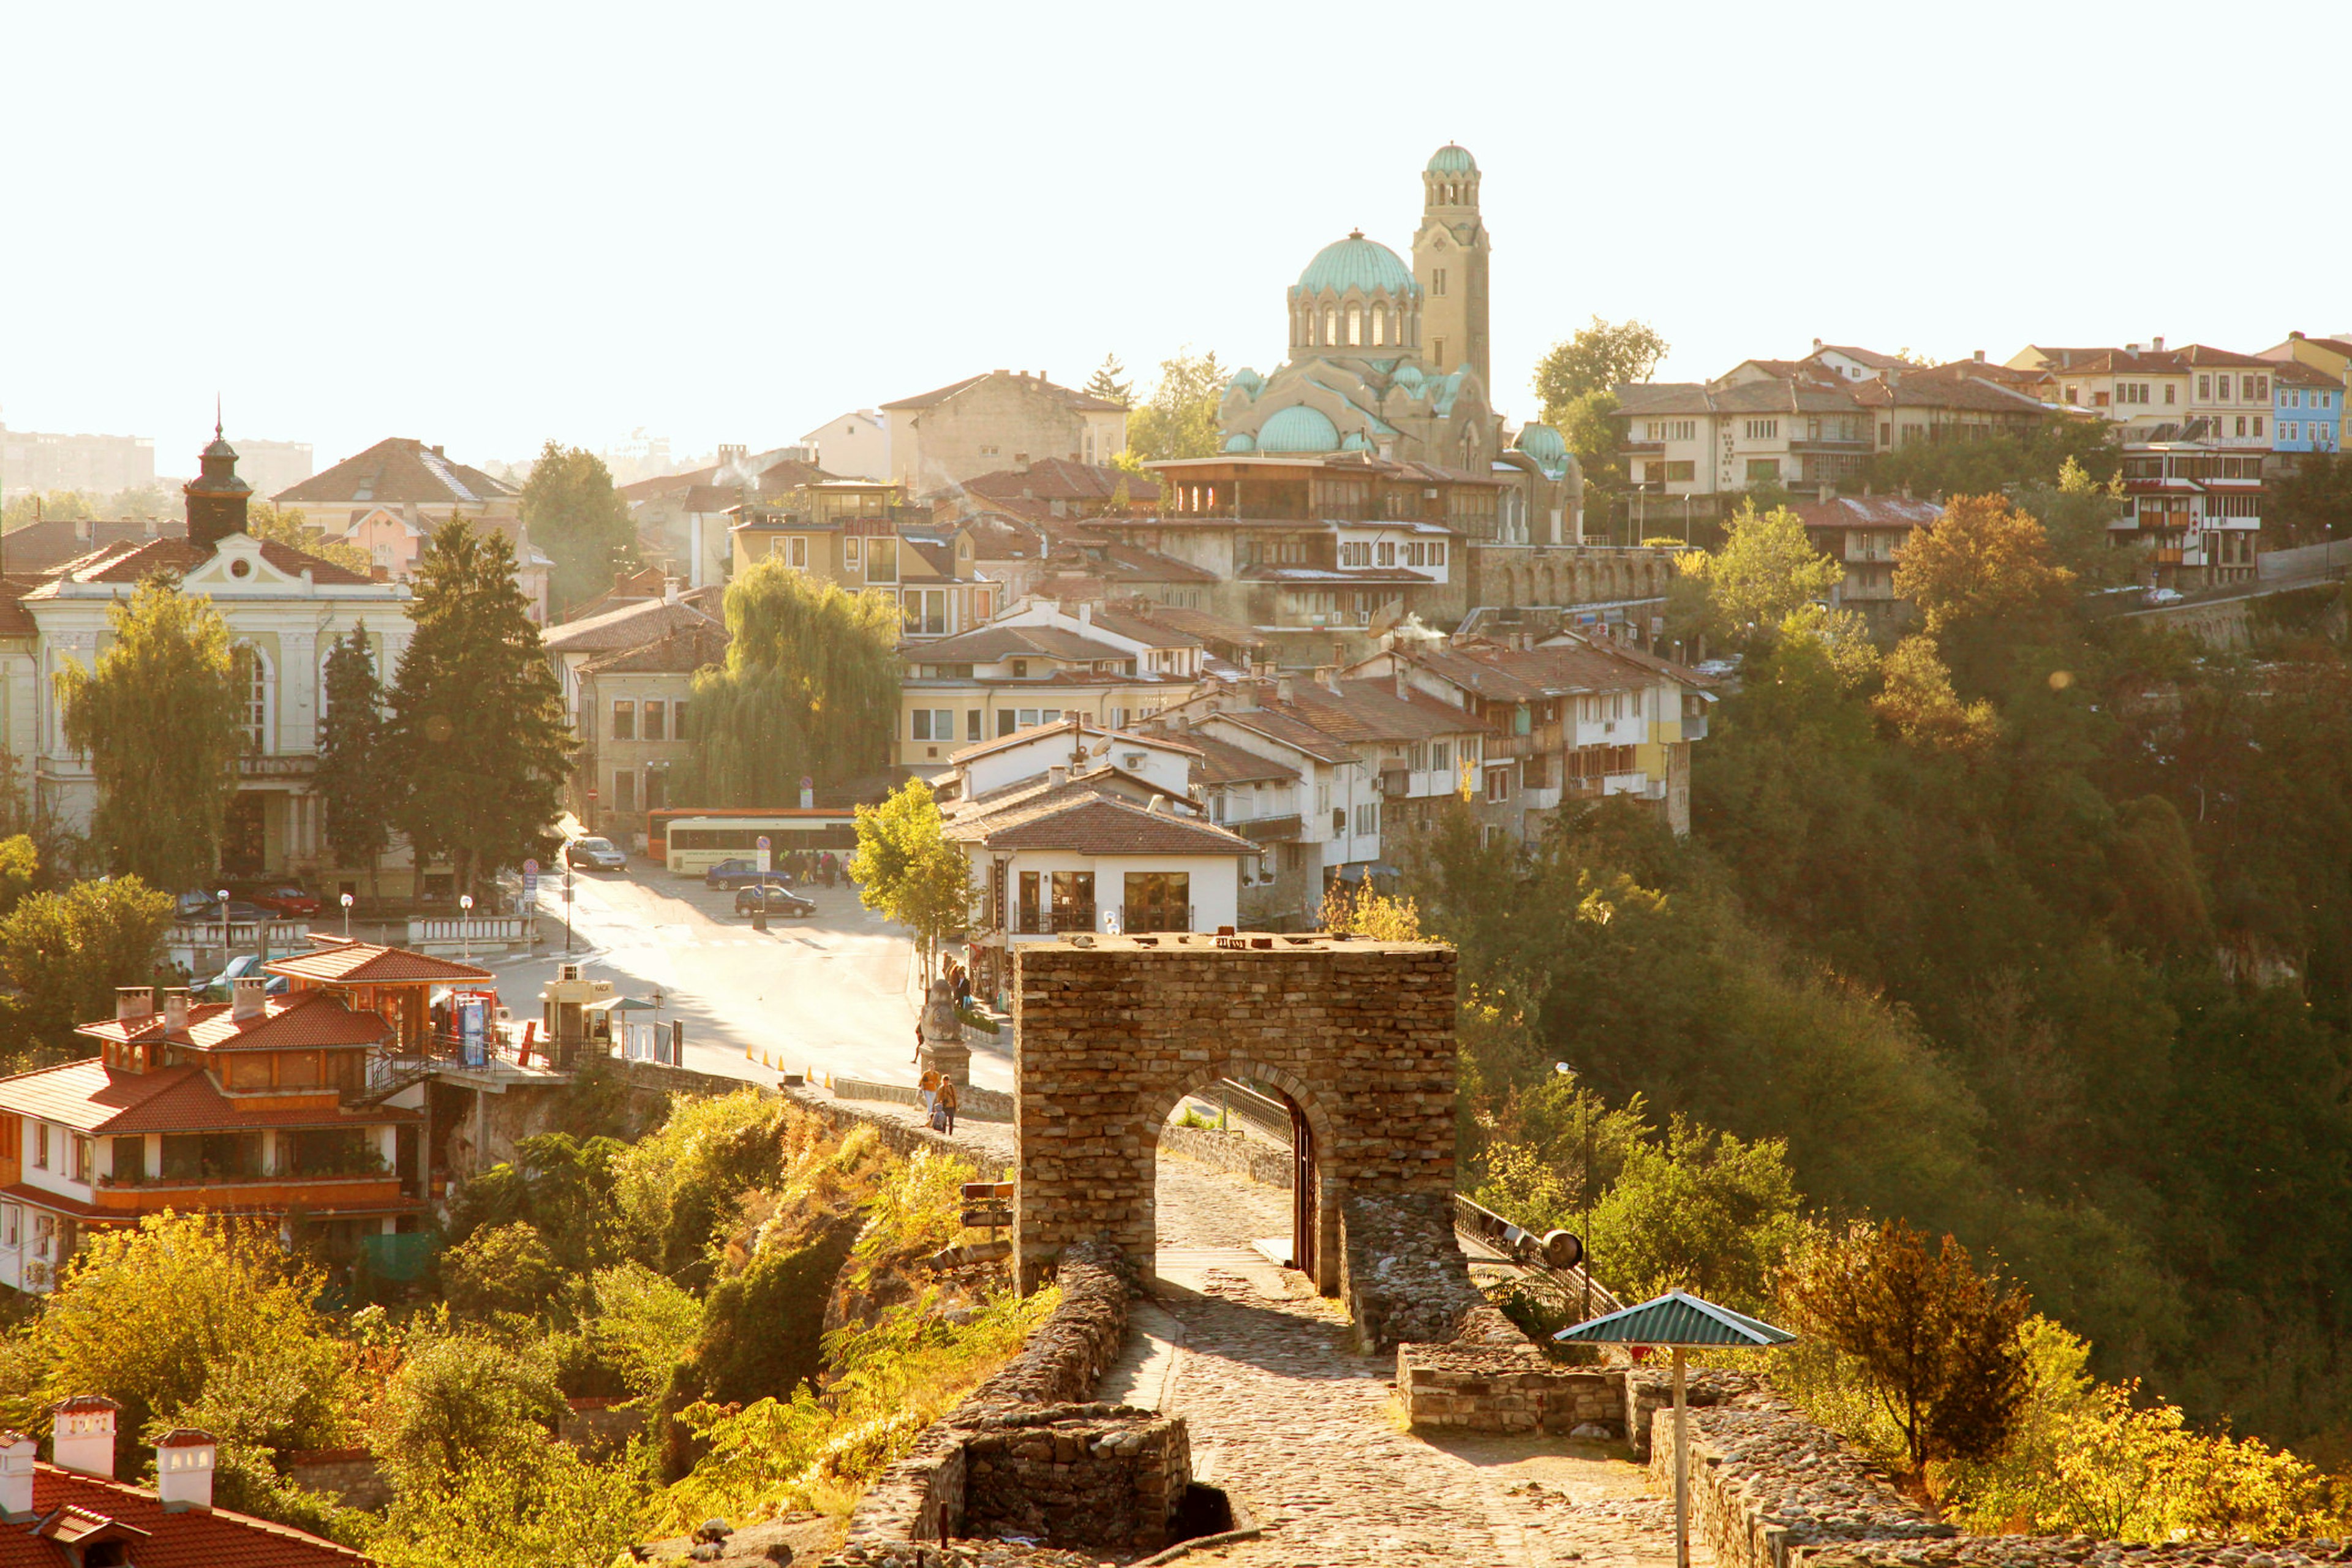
485,225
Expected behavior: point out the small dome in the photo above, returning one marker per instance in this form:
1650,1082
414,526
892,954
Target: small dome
1298,428
1356,262
1452,159
1408,375
1356,441
1239,441
1545,445
1248,381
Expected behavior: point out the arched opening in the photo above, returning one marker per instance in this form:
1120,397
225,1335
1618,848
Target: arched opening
1235,1174
1379,327
1331,326
1355,326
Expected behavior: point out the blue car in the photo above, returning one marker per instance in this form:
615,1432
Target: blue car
244,966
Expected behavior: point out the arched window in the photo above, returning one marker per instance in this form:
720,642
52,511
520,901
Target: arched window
1331,324
1380,326
1355,326
251,668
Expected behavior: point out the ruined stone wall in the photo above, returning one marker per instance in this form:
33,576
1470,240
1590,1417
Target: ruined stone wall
1239,1155
1403,1276
1506,1388
1113,1033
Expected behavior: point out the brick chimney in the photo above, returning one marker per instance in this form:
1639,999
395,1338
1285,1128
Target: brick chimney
134,1001
183,1470
82,1437
17,1453
1057,776
249,996
175,1009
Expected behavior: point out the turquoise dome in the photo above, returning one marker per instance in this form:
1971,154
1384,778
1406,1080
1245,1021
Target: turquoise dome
1409,376
1356,262
1357,441
1298,428
1546,446
1452,159
1239,441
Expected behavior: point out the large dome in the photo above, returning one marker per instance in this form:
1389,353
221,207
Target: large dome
1298,428
1452,159
1356,262
1547,447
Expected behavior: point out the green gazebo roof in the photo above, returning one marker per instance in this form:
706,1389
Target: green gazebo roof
1676,1318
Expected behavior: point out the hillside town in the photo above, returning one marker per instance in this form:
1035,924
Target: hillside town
1325,964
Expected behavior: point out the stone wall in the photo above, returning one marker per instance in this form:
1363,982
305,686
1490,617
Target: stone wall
1240,1156
1506,1388
1403,1276
351,1476
973,1103
1112,1035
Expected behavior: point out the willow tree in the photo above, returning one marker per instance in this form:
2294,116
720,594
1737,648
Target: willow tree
162,722
810,687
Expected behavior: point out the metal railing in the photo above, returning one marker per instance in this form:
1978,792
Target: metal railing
1133,917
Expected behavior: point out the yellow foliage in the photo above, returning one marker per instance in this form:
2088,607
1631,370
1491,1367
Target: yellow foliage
1359,908
1919,702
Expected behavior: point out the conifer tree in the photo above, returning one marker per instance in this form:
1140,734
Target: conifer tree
353,777
1109,383
160,719
477,734
810,687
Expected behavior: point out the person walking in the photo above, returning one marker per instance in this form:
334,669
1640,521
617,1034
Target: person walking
947,1103
929,1089
918,1042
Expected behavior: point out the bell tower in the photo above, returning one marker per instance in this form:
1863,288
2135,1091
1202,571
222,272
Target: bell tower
216,496
1450,261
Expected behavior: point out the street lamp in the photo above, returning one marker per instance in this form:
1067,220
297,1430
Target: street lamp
228,948
466,924
346,917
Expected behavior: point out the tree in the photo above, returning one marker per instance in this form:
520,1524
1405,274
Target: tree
1699,1210
187,1313
161,719
810,687
2078,513
1109,383
458,1401
64,504
1766,570
1918,702
544,1505
66,952
572,512
1181,418
355,775
2003,462
504,1269
1939,1342
1983,560
906,868
1599,358
288,526
478,736
1368,912
1589,424
2313,502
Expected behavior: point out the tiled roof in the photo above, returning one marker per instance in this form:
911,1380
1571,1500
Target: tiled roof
1114,561
1275,724
678,651
14,620
712,497
1372,710
1209,628
40,547
1520,675
2295,373
293,1021
1974,370
2205,357
1083,821
1957,392
339,962
1793,395
94,1098
991,644
127,563
192,1538
630,626
1078,729
1224,762
397,470
1869,358
1869,511
1058,478
937,396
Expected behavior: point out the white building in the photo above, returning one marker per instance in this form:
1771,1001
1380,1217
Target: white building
854,445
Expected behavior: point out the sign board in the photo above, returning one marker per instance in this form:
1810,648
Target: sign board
808,792
530,885
762,842
530,867
472,1020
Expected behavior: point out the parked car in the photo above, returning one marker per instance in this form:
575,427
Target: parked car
2164,595
287,900
242,966
741,874
781,900
240,912
596,854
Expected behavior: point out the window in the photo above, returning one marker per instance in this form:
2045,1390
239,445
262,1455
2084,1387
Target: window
1763,429
1441,757
2292,398
2258,387
2205,389
625,790
40,1145
655,714
1367,818
625,721
2289,430
1385,554
925,612
1355,326
882,561
45,1234
1437,286
2168,390
2241,423
853,553
253,672
792,550
85,1159
1674,429
678,730
971,725
2258,425
932,724
2221,388
1683,472
1355,552
1437,354
1763,468
1498,784
1157,900
12,1224
130,1159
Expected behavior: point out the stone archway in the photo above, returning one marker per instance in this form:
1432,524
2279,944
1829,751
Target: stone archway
1321,1241
1110,1034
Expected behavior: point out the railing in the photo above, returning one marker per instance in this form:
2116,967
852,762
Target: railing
481,930
1046,921
1267,829
1135,918
284,935
274,767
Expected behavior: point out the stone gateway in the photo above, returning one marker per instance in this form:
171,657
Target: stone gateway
1113,1033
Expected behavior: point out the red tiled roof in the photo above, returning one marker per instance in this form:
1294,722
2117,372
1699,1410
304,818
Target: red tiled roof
36,547
1372,710
340,962
632,625
193,1538
1080,730
91,1097
1058,478
399,469
678,651
1224,762
1869,511
1098,824
305,1019
127,563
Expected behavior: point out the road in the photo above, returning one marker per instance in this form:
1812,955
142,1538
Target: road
833,992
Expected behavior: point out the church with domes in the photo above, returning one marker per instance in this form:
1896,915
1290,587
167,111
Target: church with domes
1385,358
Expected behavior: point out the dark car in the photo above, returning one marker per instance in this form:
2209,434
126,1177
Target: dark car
596,854
288,901
781,900
741,874
239,913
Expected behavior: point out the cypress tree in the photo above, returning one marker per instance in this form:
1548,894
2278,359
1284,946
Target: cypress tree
478,737
352,779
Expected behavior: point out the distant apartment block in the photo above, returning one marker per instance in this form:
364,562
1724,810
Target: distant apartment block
31,460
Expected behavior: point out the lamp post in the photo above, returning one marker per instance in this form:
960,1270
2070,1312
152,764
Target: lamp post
466,924
228,948
567,901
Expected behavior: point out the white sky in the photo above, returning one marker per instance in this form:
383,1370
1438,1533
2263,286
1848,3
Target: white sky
489,224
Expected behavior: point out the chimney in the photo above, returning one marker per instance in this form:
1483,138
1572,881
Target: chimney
439,453
1981,356
175,1009
1907,492
2133,348
134,1001
81,528
1819,345
2294,337
248,997
1159,807
17,1453
1283,689
1020,460
670,590
1396,668
82,1435
183,1470
1057,776
1828,494
2157,344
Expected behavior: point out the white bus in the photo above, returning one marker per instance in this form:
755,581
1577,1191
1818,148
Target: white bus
690,842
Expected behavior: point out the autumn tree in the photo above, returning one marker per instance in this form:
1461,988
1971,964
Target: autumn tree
1766,570
572,512
162,720
477,722
1983,560
809,688
1599,358
1363,910
355,772
1179,418
1920,703
1939,1343
65,954
907,869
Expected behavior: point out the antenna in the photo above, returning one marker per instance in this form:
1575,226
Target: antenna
217,415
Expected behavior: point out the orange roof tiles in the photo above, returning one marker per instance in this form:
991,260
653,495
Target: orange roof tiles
340,962
91,1097
195,1538
302,1020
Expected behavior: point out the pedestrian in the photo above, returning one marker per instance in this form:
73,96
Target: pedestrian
947,1105
929,1088
918,1042
963,987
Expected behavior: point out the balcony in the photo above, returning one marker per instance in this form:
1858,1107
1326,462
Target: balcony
1143,918
1048,922
276,767
1269,829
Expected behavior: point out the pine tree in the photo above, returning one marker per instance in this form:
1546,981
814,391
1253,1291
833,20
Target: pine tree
162,722
571,511
477,739
1109,383
810,687
353,759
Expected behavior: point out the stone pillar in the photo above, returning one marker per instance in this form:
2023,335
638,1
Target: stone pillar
943,1046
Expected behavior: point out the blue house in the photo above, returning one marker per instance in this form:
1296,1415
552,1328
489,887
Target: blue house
2308,408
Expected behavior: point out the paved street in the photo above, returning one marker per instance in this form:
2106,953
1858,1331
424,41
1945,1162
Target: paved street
832,993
